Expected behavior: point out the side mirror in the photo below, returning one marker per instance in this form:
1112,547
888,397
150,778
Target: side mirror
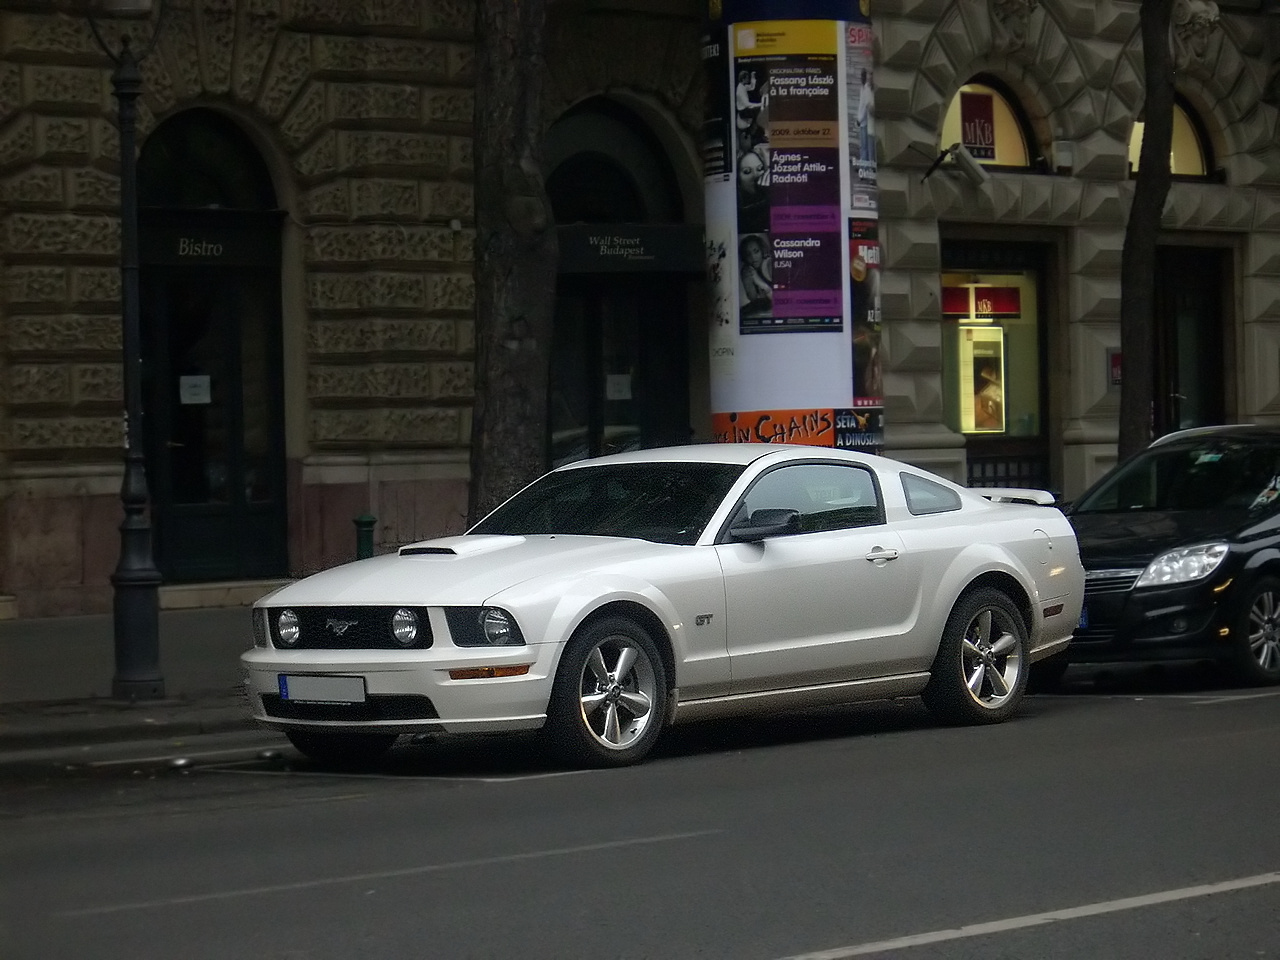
763,524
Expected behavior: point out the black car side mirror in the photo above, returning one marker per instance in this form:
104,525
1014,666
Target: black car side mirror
762,524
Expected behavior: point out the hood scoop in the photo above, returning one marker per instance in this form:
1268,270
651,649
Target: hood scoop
459,546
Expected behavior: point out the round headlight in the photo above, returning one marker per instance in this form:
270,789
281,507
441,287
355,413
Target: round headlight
288,629
404,627
499,628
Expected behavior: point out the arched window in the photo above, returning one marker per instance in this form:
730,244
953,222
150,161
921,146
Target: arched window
987,119
200,159
1190,154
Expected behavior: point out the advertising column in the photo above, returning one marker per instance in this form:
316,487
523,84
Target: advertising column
793,253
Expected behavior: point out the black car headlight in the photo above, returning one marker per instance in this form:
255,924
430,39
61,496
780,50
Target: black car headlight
483,627
288,628
1183,565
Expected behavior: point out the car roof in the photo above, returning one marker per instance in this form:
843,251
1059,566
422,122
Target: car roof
1242,431
732,453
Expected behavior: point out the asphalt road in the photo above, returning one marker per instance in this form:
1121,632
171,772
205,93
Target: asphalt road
1136,818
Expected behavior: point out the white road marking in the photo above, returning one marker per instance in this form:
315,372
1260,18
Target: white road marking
176,754
1234,698
380,875
1038,919
456,778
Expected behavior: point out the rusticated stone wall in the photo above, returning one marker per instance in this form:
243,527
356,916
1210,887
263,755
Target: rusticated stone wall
1076,68
363,111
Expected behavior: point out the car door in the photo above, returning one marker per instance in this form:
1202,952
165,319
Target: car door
825,603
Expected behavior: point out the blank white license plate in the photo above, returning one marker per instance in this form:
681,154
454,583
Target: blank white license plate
322,689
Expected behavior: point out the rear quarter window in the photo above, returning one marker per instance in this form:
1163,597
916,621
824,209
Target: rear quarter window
925,497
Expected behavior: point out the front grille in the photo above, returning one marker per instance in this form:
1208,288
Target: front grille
399,706
1094,635
1109,581
350,628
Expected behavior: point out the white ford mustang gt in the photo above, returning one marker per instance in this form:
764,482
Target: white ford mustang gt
614,596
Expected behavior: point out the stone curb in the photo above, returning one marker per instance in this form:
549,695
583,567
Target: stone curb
38,726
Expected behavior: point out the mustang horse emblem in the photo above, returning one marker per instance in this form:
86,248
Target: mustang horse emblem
339,627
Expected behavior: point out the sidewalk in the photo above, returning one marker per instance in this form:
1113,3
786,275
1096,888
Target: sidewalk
55,679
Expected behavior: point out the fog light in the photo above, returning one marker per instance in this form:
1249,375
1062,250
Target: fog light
404,627
288,629
1179,625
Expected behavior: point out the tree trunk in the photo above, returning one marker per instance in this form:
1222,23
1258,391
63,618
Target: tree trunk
1138,265
515,254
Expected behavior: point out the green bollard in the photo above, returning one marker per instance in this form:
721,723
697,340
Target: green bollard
364,535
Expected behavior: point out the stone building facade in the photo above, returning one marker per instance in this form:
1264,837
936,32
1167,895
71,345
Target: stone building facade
360,113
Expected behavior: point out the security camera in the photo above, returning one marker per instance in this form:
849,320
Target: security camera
973,171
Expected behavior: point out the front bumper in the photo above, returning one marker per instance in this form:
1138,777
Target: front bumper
404,691
1184,622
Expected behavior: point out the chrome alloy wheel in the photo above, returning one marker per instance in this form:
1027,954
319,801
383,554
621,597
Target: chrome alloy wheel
1264,631
991,658
617,692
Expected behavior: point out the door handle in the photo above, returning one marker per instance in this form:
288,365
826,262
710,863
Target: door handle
880,554
173,443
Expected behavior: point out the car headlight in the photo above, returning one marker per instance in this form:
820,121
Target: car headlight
483,627
1183,565
404,627
288,629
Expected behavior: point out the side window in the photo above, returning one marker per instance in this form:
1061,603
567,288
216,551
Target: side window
925,496
827,496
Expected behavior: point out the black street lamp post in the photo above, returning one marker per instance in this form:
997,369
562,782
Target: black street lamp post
136,580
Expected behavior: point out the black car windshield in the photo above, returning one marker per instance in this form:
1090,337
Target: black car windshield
1213,474
663,502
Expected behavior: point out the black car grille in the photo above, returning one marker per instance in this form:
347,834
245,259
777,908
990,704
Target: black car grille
377,707
1109,581
349,628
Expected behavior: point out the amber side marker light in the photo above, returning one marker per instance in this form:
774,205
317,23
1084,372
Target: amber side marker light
488,673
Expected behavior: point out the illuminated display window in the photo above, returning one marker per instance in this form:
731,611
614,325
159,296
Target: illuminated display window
1189,154
991,350
988,122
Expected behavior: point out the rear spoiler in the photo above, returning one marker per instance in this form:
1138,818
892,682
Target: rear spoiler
1017,495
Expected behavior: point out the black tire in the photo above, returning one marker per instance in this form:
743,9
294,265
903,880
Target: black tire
980,671
599,716
341,749
1256,658
1046,675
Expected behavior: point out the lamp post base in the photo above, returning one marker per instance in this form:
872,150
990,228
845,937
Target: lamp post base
137,633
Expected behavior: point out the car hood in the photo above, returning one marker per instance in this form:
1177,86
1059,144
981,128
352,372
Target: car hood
460,571
1125,539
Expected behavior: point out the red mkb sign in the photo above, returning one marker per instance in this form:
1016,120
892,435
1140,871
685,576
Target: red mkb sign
978,125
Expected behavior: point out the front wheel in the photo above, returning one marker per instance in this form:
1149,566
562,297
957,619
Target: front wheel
609,697
341,749
1257,634
980,672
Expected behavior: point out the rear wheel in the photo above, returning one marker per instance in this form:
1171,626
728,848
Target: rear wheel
341,749
980,672
610,695
1257,634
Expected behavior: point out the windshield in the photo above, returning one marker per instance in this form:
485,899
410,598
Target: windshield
1214,474
663,502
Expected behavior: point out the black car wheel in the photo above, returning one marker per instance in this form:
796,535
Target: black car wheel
980,671
1257,633
341,749
610,695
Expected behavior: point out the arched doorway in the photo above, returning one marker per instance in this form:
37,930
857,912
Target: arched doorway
209,230
620,355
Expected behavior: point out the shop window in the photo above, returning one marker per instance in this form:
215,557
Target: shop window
1189,155
991,344
989,123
